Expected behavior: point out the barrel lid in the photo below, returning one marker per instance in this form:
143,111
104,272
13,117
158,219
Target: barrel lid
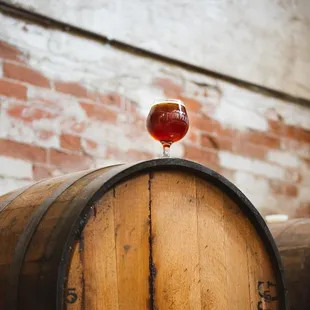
102,184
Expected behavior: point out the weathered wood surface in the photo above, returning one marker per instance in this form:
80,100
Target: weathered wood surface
293,240
136,237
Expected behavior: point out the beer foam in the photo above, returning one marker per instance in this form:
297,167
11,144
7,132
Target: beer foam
168,100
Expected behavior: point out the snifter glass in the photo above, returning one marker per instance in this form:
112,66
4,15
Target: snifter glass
167,122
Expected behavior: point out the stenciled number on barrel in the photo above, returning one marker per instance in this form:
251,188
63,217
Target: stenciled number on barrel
265,294
72,296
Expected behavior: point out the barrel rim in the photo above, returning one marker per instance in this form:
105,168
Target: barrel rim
119,173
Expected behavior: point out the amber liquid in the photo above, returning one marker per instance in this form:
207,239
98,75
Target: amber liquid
168,122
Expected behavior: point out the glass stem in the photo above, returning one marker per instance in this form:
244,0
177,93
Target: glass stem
166,150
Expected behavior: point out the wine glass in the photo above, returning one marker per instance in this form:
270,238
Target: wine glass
167,122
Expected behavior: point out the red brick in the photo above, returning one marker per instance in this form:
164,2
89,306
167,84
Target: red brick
99,112
191,104
92,145
202,123
92,148
290,190
227,173
13,90
205,124
217,143
134,155
208,125
170,88
28,113
45,134
307,162
23,151
110,99
193,136
250,150
277,127
130,155
74,126
260,138
132,107
207,158
24,74
9,52
225,132
41,172
70,142
299,134
139,121
69,162
303,211
71,88
293,175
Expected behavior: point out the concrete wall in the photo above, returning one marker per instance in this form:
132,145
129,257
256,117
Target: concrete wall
69,103
263,41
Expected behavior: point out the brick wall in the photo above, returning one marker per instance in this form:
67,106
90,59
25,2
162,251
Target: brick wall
68,103
263,41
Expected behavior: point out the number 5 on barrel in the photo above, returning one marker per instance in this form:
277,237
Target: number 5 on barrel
71,296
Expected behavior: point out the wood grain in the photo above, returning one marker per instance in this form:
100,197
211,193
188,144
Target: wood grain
249,265
197,227
293,240
14,218
131,207
116,249
74,292
158,240
235,246
175,242
212,250
99,257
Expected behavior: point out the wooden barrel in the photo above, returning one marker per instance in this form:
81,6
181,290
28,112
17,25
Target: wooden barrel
161,234
293,241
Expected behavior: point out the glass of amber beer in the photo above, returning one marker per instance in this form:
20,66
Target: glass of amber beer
167,122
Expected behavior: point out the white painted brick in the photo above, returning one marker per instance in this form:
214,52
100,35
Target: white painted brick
16,168
240,118
9,184
246,99
145,97
177,150
18,131
238,108
48,142
59,56
62,104
265,106
305,180
293,114
110,134
283,158
107,133
304,194
15,130
101,162
160,26
237,162
299,148
1,69
256,189
99,151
